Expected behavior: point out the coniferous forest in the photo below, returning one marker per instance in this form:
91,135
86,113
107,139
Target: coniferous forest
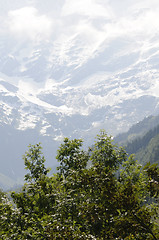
101,193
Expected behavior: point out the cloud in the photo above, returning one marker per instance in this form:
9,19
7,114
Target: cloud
93,20
111,19
140,25
28,24
80,29
135,21
90,8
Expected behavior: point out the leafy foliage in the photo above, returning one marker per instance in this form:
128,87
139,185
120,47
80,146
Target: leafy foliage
113,198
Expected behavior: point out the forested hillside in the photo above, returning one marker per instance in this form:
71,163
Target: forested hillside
138,130
142,140
111,198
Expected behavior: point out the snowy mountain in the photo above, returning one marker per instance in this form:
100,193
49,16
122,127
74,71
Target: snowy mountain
69,72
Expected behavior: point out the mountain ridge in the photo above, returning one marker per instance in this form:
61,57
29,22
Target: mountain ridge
70,73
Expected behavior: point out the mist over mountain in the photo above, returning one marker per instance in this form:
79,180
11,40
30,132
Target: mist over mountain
71,68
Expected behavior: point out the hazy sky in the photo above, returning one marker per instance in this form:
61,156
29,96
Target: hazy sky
94,20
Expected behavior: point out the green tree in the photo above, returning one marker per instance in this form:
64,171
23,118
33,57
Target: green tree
35,202
96,194
152,171
34,162
71,157
103,200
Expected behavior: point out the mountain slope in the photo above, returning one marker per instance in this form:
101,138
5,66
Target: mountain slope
75,105
138,130
70,70
142,140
